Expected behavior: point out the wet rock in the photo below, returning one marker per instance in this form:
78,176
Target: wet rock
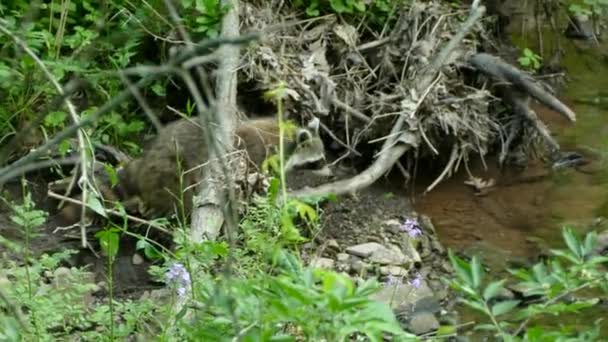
422,323
325,263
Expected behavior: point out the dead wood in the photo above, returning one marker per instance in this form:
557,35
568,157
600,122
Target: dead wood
207,218
401,138
496,67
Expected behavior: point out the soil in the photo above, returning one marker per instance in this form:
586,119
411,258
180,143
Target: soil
50,238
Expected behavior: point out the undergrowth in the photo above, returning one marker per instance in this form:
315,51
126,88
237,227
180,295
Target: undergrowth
270,295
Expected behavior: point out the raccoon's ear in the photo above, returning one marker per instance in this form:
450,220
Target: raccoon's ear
302,136
313,125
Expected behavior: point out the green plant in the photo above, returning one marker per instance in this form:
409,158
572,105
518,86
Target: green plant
206,15
565,274
378,11
530,60
587,7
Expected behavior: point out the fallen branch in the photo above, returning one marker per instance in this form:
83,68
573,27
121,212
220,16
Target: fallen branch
496,67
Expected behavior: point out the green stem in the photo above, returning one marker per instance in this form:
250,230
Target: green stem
111,294
282,149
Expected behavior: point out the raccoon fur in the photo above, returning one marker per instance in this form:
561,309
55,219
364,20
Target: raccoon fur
155,181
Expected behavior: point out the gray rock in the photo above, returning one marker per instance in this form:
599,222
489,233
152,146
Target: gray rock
332,243
359,266
437,246
409,251
394,270
365,250
422,323
386,256
403,296
342,257
325,263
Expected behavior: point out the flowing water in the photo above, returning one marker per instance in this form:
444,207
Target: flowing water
529,208
524,213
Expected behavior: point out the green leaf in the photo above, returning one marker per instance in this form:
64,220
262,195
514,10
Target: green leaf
159,89
109,241
590,241
55,119
476,272
150,251
565,254
94,204
474,305
485,327
305,211
111,171
493,289
504,307
446,330
64,147
273,189
462,268
572,241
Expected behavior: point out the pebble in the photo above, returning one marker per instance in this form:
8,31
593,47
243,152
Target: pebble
325,263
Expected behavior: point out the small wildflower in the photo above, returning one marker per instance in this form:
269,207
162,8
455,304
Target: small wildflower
178,274
417,281
411,227
392,280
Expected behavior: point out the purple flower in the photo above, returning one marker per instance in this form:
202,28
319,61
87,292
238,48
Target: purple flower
417,281
392,280
411,227
178,274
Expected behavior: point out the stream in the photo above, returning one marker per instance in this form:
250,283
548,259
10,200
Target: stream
523,215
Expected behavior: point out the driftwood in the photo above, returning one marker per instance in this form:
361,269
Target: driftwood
496,67
516,93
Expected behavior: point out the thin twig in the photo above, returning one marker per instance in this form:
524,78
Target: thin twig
109,211
446,170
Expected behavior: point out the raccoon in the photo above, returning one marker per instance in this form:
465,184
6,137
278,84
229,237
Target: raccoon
155,182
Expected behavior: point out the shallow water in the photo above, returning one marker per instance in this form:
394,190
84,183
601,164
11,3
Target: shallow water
525,212
529,208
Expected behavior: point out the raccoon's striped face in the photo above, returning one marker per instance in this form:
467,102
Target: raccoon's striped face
307,151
